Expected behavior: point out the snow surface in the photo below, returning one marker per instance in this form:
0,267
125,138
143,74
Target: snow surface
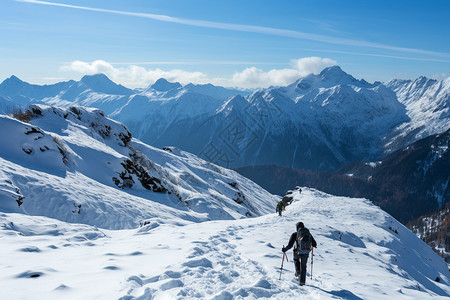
359,256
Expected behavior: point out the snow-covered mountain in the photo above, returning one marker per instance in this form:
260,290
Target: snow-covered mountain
78,166
427,103
319,122
362,253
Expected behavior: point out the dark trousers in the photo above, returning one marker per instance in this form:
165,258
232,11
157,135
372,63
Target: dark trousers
300,266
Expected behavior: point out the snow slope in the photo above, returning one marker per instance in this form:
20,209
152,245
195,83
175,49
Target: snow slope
78,166
362,253
428,106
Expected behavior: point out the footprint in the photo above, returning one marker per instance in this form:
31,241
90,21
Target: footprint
234,273
152,279
111,268
225,279
136,280
30,274
62,287
172,274
171,284
197,251
223,296
30,249
203,262
263,283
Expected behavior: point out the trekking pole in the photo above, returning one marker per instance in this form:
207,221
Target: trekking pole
282,262
312,260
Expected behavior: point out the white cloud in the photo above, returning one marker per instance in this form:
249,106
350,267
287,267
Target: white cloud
132,75
314,64
441,76
252,77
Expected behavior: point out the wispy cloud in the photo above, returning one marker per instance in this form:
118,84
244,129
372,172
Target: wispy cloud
247,28
196,62
251,77
380,55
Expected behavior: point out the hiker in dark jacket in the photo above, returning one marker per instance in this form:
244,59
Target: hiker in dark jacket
300,255
280,208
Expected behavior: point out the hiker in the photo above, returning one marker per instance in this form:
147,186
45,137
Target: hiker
304,242
280,208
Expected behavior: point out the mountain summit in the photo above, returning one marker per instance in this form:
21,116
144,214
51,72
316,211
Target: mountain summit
162,85
11,86
102,84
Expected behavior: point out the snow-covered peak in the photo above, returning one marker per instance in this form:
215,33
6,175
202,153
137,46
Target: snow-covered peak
162,85
328,78
236,103
217,92
12,80
102,84
11,86
335,74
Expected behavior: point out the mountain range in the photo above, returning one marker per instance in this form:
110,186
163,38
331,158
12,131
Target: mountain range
319,122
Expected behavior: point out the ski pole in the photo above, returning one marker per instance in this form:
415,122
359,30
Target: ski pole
282,262
312,260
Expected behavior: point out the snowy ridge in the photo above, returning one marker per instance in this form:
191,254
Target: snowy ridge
78,166
362,253
428,106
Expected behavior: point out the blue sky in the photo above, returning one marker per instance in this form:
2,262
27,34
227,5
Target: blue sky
231,43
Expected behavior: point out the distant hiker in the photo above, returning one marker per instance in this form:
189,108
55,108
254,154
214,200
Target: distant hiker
304,242
280,208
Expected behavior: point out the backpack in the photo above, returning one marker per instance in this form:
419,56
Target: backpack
280,206
304,239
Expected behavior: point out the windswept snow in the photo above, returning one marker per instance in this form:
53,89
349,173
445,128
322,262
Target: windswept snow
362,253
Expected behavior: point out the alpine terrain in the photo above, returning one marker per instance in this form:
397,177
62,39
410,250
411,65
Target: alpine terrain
89,212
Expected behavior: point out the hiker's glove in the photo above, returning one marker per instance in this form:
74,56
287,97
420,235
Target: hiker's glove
283,249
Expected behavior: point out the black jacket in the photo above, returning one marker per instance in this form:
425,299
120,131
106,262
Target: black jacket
293,240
